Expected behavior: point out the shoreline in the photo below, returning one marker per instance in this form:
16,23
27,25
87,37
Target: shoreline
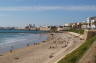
4,48
44,52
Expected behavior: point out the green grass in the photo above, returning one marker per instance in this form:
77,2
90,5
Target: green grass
80,31
78,53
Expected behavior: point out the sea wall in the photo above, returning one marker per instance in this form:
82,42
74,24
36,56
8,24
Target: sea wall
89,34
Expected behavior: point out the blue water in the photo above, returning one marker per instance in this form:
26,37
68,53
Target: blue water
20,40
19,31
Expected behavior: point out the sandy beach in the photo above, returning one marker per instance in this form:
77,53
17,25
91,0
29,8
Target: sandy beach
50,51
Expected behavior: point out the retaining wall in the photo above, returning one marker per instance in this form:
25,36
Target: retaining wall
89,33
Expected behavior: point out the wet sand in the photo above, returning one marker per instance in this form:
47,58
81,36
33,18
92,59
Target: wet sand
49,51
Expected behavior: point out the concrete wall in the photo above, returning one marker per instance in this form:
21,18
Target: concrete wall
89,34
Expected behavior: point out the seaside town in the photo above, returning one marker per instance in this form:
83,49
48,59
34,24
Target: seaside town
68,43
47,31
89,23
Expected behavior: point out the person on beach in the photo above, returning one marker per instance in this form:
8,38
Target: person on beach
11,50
28,45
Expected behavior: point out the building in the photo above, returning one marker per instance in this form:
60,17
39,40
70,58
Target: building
91,22
30,27
44,28
65,27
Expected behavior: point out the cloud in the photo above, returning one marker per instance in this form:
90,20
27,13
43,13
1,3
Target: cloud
46,8
3,15
15,0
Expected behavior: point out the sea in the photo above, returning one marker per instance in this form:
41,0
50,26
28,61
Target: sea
13,39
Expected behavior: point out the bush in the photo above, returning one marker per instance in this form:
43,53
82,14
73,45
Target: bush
80,31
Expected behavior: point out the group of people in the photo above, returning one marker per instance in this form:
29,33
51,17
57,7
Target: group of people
56,41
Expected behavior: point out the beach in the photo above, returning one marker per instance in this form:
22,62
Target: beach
50,51
19,40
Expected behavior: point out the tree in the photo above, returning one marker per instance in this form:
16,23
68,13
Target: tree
53,29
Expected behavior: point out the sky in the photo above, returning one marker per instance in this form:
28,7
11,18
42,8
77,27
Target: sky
45,12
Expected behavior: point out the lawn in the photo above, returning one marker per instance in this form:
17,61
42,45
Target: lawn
80,31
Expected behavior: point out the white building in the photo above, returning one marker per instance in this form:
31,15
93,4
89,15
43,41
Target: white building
44,28
91,21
